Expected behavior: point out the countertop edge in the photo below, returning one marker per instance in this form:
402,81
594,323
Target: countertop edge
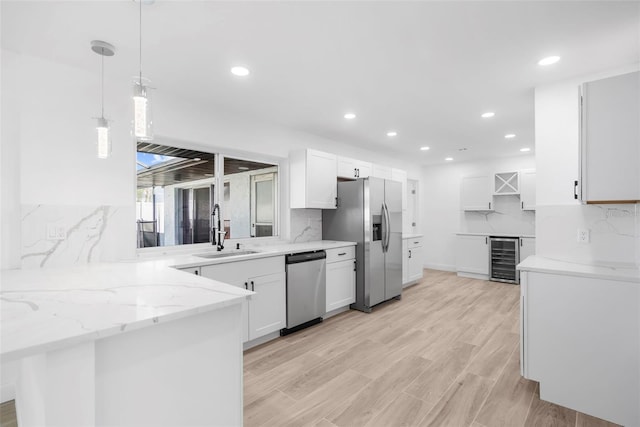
539,264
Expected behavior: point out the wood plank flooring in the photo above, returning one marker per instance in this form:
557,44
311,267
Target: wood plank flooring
447,354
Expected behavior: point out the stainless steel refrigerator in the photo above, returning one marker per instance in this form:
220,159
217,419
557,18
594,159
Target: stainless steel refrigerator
369,212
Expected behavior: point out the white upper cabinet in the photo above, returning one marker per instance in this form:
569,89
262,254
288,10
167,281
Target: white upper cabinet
476,194
352,168
380,171
313,179
528,190
506,183
610,140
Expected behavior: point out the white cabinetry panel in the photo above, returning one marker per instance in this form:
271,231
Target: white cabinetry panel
610,139
472,254
313,179
341,284
528,190
476,194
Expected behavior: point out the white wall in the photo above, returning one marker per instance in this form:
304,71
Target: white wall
51,169
442,217
615,229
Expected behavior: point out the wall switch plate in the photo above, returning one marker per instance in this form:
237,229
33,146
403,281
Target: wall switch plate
56,232
583,235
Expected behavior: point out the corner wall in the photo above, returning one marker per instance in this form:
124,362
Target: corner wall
442,216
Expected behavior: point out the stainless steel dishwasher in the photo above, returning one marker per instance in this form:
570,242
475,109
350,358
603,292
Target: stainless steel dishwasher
306,290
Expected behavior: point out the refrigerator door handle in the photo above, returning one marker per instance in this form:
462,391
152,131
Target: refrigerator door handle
387,224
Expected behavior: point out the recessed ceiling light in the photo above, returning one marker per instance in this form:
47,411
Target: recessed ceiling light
392,133
424,148
240,71
243,168
549,60
197,159
510,135
524,150
448,159
349,116
488,114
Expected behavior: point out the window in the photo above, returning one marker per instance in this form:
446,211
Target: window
176,193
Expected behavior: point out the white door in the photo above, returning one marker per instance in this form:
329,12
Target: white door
341,284
267,307
527,247
528,190
263,205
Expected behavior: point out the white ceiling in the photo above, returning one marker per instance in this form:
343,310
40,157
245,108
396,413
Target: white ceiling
425,69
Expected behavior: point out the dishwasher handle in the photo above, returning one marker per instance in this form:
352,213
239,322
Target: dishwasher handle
305,257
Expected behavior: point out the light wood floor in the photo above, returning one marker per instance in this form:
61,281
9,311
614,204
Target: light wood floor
447,354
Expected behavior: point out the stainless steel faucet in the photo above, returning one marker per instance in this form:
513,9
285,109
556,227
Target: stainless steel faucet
217,234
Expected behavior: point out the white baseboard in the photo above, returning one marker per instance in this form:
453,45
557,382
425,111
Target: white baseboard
336,311
7,392
441,267
473,275
261,340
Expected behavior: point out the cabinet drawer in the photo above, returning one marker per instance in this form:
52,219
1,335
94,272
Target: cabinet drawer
415,242
341,254
236,273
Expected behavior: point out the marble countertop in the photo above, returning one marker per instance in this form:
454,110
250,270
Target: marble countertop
539,264
410,236
192,260
497,234
52,308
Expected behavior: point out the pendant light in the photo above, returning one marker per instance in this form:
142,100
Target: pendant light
102,125
142,122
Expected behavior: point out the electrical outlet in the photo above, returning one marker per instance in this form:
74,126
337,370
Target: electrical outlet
56,232
583,235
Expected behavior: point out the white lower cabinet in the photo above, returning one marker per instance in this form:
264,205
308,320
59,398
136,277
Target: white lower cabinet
341,278
472,254
264,312
527,247
580,340
412,267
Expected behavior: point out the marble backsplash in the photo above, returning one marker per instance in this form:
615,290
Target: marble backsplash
614,233
93,234
305,225
506,218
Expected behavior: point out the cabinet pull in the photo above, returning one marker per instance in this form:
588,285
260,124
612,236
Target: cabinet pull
342,253
409,253
358,173
355,172
489,205
575,190
253,287
196,272
521,242
486,240
521,205
336,202
415,243
246,285
355,265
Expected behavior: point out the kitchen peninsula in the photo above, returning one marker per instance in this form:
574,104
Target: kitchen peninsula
128,343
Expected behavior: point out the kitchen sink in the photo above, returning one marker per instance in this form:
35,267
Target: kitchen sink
224,254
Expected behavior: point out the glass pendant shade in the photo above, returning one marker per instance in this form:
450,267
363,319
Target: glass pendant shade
104,138
142,121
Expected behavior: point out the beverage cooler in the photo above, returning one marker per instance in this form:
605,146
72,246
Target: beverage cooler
504,256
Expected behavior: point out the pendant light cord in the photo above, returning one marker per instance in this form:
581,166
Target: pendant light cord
140,42
102,83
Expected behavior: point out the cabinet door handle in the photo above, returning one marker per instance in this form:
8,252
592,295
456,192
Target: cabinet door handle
358,175
336,202
409,253
489,205
355,172
196,272
246,285
521,205
415,243
486,240
253,287
342,253
521,242
575,190
355,265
